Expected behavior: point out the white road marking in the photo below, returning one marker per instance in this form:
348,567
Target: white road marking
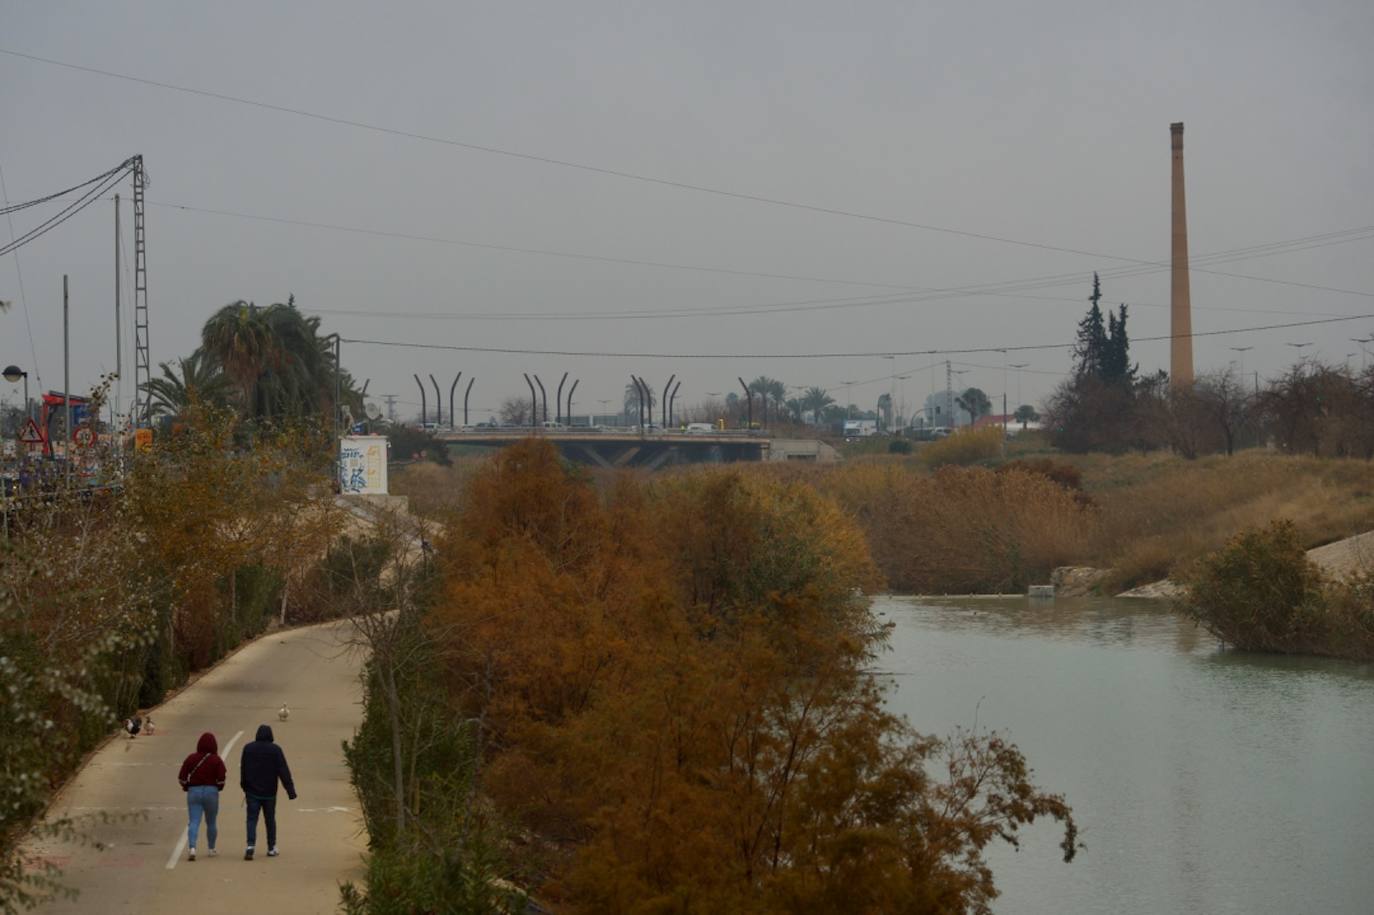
181,842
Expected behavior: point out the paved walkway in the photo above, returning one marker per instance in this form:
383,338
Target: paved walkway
144,868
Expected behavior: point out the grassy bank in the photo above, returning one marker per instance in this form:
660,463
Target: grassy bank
1158,513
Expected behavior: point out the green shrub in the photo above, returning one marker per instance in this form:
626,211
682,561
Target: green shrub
899,446
1261,593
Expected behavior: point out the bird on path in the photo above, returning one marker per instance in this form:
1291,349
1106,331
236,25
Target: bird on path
283,713
149,726
133,726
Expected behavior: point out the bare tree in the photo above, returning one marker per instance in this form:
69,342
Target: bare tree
515,411
1222,400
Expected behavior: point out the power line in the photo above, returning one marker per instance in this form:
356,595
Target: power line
109,180
613,172
1001,289
829,355
23,299
8,207
1325,239
517,249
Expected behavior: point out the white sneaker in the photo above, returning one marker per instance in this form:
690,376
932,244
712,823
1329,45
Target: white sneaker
272,852
191,854
213,853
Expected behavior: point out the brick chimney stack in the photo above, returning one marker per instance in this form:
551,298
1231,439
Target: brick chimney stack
1180,303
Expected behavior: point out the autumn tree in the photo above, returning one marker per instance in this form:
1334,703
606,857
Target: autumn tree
669,684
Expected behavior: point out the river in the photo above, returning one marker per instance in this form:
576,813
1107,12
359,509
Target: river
1203,780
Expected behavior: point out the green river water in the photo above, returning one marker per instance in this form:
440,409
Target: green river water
1203,780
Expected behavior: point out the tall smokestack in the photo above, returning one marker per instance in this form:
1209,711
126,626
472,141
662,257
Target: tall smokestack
1180,302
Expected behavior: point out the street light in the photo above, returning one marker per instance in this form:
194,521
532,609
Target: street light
1018,366
14,374
1364,361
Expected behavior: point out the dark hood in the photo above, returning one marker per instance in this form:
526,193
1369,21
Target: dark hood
264,733
207,743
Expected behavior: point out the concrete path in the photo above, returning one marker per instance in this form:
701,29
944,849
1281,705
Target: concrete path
144,867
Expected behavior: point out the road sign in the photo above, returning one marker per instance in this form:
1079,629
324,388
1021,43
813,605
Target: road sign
31,434
84,436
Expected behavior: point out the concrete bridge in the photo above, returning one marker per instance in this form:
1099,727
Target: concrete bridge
628,448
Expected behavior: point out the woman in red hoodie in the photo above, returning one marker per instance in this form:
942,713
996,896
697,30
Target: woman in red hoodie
202,778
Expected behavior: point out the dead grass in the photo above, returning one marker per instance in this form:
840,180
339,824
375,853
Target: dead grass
961,529
434,490
1149,515
963,448
1159,512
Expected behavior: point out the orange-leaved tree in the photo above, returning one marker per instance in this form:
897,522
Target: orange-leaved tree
672,686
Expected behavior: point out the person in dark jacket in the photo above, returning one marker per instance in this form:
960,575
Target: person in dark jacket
261,767
202,778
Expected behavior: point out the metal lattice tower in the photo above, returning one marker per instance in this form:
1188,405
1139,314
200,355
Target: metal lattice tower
142,361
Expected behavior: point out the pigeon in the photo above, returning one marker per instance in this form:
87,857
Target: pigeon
133,726
283,713
149,726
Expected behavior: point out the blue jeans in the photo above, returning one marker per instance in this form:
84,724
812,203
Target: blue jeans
269,815
202,799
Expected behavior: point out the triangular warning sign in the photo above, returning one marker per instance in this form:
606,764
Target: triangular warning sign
31,435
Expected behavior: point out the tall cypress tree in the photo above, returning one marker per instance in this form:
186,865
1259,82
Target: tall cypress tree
1116,367
1090,351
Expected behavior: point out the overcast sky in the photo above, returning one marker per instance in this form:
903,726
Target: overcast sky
1045,123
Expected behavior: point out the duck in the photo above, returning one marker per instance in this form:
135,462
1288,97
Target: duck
283,713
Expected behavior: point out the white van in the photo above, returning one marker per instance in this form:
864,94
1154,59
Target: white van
700,428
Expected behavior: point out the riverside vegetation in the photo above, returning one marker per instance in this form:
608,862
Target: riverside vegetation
1261,593
959,516
655,696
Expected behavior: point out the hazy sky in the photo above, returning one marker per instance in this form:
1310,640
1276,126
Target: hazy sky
1046,123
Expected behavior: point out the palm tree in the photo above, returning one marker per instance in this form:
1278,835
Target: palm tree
771,390
201,381
299,377
816,400
278,361
240,340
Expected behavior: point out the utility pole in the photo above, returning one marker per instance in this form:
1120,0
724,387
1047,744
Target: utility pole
390,406
949,395
143,366
66,384
338,382
891,392
119,365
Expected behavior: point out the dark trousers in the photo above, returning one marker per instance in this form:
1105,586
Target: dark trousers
269,815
